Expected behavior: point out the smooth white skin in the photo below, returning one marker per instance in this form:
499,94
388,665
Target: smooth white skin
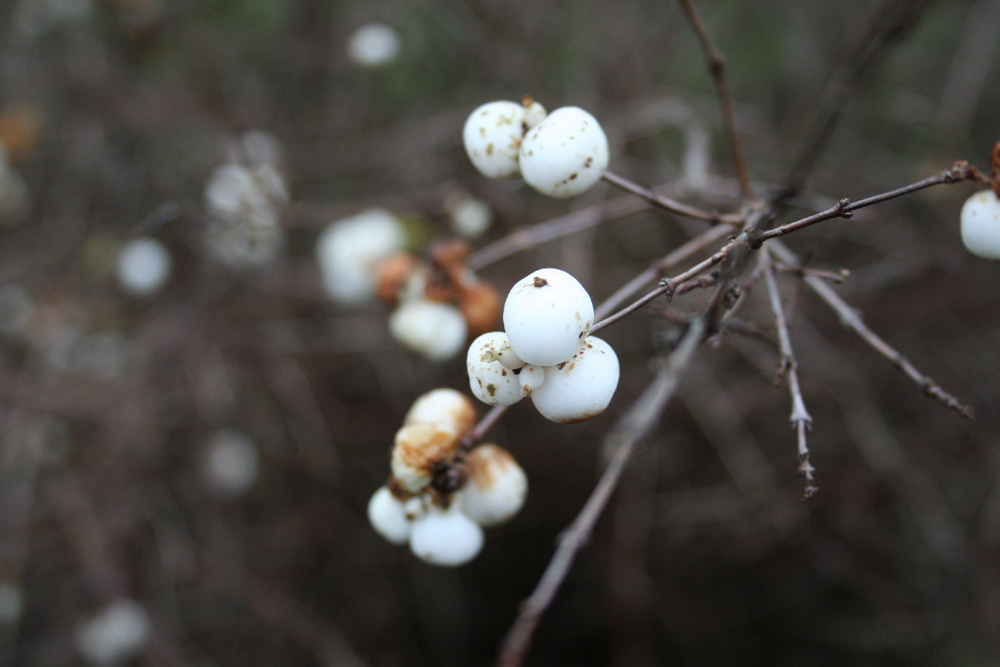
116,633
981,225
388,516
446,537
534,114
143,266
435,331
349,250
582,387
443,406
490,381
497,486
531,378
231,463
373,45
565,154
546,316
492,138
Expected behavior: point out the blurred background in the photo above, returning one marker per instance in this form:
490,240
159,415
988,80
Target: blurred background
186,456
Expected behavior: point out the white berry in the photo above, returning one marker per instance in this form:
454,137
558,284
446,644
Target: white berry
565,154
373,45
388,516
349,251
981,225
492,138
546,316
418,450
497,486
115,634
143,266
581,387
531,378
435,331
443,406
490,381
446,537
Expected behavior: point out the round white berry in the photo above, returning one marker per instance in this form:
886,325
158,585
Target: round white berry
565,154
435,331
492,137
546,316
373,45
115,634
470,217
143,266
491,382
443,406
981,225
349,251
417,451
497,486
534,113
446,537
388,516
531,378
231,463
581,387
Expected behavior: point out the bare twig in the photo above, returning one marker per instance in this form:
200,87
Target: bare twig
578,220
800,418
894,21
675,257
621,440
717,66
850,318
960,171
668,204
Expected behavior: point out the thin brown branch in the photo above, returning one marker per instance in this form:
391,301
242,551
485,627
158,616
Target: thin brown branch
717,66
668,204
800,418
621,440
655,271
960,171
850,318
556,228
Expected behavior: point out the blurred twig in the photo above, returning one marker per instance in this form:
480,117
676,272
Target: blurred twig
717,66
634,425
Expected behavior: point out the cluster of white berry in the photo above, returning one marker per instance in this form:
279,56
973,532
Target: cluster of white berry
981,225
243,199
560,154
435,305
546,352
439,498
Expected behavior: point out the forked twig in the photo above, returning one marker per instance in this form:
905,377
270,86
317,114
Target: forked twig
622,439
850,318
800,418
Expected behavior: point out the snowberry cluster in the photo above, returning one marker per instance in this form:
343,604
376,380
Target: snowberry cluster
436,305
545,352
561,154
244,199
439,498
980,225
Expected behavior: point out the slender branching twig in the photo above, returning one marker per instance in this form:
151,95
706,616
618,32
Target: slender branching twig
788,367
622,439
850,318
667,204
